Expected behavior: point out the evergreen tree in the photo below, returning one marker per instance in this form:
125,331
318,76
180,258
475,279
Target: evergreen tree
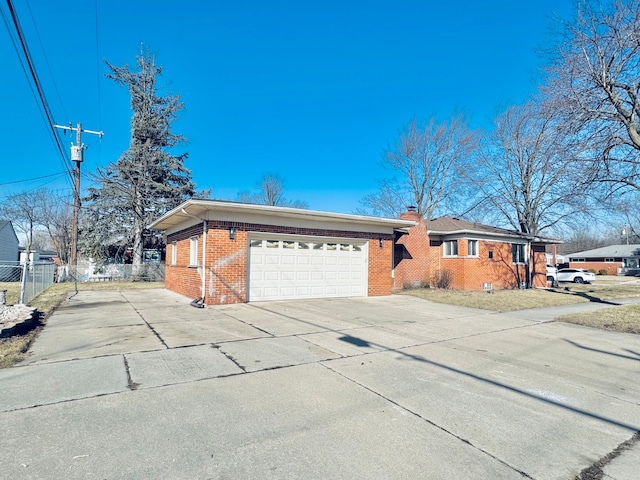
148,179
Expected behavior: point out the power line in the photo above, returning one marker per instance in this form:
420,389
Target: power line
46,60
98,68
32,179
34,76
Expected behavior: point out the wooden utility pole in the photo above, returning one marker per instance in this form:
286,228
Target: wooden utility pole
77,155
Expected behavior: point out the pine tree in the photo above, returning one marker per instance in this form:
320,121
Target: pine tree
148,179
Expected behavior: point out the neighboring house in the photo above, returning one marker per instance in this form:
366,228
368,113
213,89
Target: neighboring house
615,259
472,255
8,251
228,252
8,242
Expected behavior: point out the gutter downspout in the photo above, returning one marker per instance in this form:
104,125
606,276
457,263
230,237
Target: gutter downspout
204,259
199,302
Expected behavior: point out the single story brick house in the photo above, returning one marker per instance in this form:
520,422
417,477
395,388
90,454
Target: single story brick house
227,252
471,255
615,259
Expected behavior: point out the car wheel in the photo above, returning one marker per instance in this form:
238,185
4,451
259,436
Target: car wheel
578,280
550,279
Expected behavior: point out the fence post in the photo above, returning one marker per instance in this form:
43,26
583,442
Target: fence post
23,282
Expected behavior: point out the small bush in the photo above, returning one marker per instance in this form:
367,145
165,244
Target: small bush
603,271
592,270
443,279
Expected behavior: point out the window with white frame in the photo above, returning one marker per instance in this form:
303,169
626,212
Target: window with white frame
174,253
472,248
517,253
450,248
609,260
193,252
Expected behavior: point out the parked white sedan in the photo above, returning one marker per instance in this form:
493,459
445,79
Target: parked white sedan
576,275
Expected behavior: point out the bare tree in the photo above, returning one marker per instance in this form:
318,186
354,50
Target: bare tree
57,219
522,174
25,210
41,213
270,191
424,163
595,82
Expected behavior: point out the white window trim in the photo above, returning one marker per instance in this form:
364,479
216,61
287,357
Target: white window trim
475,242
524,254
193,251
444,248
174,253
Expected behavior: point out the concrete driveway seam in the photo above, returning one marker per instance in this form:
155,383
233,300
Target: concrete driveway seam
144,320
430,422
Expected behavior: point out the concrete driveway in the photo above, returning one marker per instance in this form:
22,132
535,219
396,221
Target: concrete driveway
138,384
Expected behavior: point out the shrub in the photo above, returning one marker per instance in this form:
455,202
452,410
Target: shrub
603,271
592,270
443,279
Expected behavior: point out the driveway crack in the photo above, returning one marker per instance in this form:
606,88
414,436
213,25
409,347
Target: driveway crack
426,420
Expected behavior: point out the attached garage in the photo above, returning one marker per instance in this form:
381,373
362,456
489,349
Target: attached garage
228,252
287,268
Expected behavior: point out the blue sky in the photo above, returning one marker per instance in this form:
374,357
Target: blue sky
312,91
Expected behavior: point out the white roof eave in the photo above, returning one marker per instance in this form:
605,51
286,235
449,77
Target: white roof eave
203,210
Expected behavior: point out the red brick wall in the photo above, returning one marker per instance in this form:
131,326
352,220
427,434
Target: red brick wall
380,280
412,254
610,267
181,277
226,272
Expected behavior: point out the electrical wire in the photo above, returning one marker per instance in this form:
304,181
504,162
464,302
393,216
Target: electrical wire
33,179
40,91
46,60
98,68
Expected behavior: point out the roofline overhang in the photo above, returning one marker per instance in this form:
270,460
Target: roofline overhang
464,231
203,208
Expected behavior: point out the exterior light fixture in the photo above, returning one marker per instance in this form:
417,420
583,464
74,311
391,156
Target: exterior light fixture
232,233
381,242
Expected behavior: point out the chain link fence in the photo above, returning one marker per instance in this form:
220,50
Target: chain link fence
29,279
113,272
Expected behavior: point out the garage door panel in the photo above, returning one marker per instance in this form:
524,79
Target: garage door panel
287,269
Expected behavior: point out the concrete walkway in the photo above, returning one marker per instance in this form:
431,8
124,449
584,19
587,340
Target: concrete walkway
138,384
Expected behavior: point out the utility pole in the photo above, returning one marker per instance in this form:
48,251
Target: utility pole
77,155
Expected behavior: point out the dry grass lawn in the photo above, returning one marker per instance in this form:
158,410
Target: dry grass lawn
605,288
625,318
14,349
499,300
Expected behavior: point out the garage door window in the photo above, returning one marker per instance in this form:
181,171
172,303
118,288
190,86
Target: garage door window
287,244
303,246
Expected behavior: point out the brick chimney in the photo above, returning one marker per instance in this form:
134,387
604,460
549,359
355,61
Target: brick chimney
411,214
411,255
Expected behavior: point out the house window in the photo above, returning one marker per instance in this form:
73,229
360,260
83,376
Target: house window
609,260
490,253
577,260
517,253
450,248
193,252
472,248
174,253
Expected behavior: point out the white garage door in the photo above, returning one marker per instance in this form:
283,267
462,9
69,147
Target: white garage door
282,269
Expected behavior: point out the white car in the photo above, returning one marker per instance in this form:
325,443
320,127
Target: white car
552,275
576,275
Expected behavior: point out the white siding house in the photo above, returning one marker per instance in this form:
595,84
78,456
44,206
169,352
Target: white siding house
8,242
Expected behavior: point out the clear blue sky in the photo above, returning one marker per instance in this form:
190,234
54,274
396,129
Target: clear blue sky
313,91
